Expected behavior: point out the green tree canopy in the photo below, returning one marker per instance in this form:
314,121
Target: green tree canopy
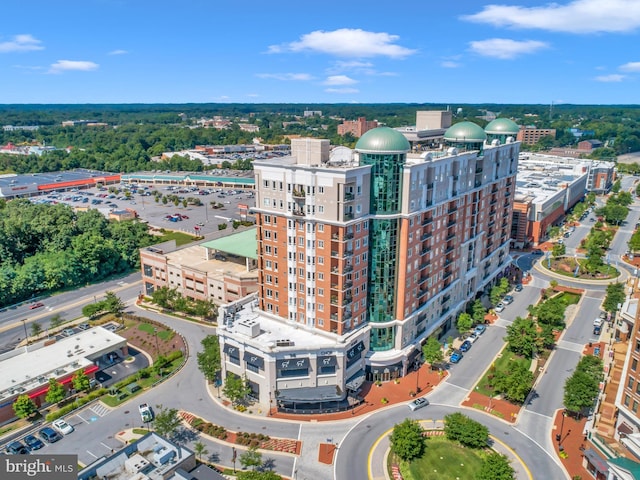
496,467
461,428
236,388
209,358
166,421
80,381
24,407
251,458
522,336
407,440
465,322
56,392
432,352
615,296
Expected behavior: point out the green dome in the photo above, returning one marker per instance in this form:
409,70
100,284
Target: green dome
502,126
465,132
383,139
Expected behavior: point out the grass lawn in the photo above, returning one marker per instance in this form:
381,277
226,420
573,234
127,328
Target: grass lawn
444,460
162,334
179,237
566,266
569,298
500,364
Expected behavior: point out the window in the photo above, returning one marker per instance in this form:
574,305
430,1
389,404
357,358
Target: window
320,189
320,260
320,208
321,294
268,278
634,364
320,243
266,202
321,228
148,271
630,383
626,400
267,219
635,405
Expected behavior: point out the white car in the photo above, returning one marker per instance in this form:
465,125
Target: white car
418,403
499,307
61,426
473,337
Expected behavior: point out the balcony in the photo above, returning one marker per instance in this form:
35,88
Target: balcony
345,237
445,299
425,250
452,223
426,236
477,184
423,279
449,249
298,213
422,292
349,197
451,236
298,194
424,265
427,221
348,216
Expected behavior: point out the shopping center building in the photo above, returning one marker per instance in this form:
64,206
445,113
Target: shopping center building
362,256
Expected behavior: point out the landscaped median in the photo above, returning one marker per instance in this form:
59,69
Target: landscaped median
244,439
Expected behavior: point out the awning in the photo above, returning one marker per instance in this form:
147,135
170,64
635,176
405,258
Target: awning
356,380
596,460
254,359
413,356
230,350
292,363
624,428
318,394
327,361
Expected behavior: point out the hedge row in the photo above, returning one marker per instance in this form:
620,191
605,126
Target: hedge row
77,403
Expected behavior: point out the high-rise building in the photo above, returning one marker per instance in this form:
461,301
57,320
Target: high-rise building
362,255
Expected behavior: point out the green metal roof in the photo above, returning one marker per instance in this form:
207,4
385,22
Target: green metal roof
383,139
243,244
629,465
502,126
465,132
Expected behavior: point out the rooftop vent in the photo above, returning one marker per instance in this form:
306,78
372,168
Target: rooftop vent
284,343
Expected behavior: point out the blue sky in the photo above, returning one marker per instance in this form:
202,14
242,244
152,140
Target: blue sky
466,51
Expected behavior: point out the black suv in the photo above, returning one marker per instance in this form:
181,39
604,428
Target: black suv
16,448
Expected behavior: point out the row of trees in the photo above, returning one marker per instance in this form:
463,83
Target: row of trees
44,248
171,299
583,386
408,442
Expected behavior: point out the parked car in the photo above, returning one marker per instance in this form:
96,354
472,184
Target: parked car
145,413
597,322
61,426
518,287
473,337
36,305
16,448
479,330
507,300
33,442
84,326
499,307
418,403
49,435
455,357
67,332
597,329
466,346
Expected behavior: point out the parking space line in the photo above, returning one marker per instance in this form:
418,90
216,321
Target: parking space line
106,446
94,456
81,418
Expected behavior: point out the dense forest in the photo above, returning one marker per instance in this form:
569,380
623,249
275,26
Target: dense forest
134,134
44,248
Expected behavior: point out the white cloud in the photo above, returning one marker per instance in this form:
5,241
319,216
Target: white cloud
252,95
505,48
118,52
21,43
72,65
339,80
630,67
342,90
347,42
450,64
614,77
286,76
578,16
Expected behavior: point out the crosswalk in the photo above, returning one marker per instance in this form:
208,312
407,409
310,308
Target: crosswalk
93,412
100,409
574,347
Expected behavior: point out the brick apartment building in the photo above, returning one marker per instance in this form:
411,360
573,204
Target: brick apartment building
357,128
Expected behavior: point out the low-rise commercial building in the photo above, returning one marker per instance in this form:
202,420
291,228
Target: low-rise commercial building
222,270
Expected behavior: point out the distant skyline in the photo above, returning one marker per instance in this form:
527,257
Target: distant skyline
201,51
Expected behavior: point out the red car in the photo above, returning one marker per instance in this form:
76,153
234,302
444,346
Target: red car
36,305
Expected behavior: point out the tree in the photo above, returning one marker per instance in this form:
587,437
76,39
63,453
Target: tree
581,389
407,440
113,304
92,309
56,321
432,352
521,336
200,449
251,458
236,388
515,383
478,311
465,322
209,358
56,392
616,186
166,421
36,329
615,296
80,381
496,467
24,407
558,250
460,428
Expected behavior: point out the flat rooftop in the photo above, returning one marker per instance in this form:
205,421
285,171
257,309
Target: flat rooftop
273,331
25,367
539,181
48,178
195,257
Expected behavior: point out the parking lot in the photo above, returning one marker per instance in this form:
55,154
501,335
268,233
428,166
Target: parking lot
203,219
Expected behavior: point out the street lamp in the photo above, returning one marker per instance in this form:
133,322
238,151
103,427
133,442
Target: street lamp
559,435
26,335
